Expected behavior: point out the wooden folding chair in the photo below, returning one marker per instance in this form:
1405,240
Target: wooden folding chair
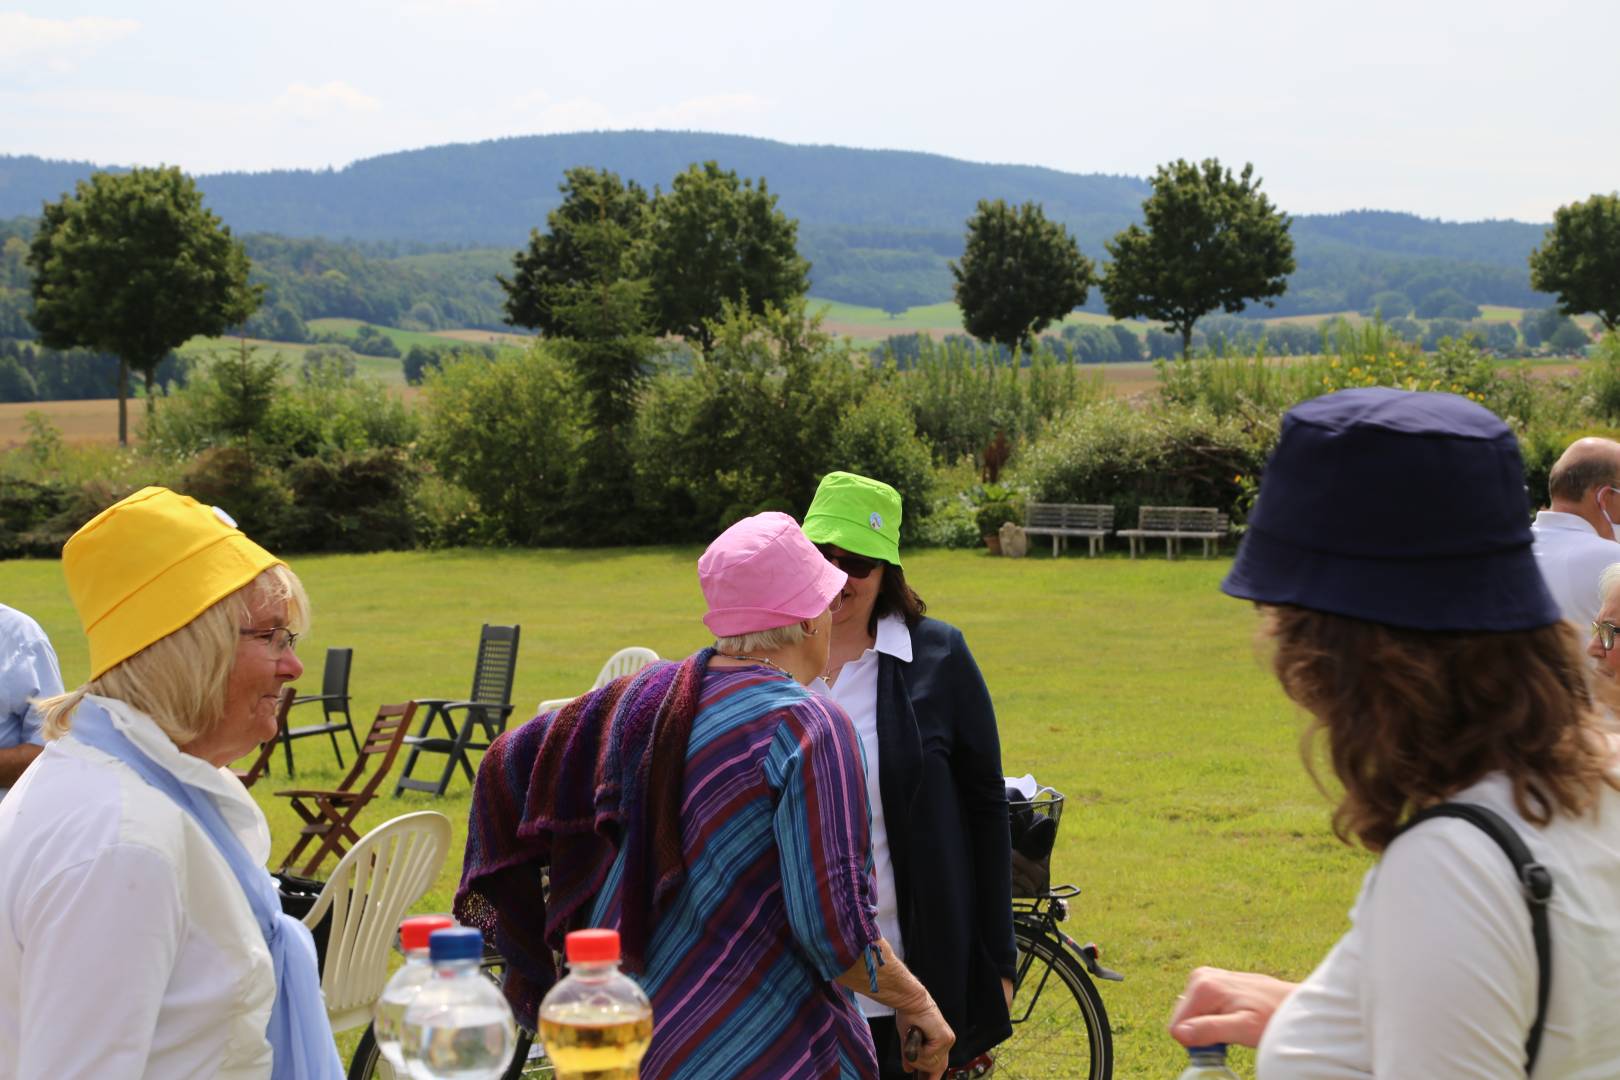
329,816
267,749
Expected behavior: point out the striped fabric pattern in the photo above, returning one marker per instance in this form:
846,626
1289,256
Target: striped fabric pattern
778,899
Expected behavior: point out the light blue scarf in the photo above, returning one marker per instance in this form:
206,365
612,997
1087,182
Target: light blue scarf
300,1034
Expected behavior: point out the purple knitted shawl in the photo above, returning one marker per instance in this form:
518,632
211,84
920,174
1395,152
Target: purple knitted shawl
568,790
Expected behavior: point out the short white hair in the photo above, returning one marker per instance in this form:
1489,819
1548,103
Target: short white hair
778,637
1607,581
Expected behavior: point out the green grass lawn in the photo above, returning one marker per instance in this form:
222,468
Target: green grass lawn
1134,687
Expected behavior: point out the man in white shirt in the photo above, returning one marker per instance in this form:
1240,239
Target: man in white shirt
28,672
1575,539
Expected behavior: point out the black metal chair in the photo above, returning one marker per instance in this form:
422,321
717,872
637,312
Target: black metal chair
485,709
334,701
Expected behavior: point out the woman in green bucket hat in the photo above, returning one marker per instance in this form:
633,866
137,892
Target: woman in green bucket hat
940,842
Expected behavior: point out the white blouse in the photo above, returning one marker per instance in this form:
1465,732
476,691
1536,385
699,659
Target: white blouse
855,691
1437,975
127,948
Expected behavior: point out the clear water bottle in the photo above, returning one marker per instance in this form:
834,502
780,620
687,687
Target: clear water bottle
388,1019
595,1023
458,1025
1208,1063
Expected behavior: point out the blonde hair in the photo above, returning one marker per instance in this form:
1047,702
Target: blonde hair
180,680
778,637
1606,583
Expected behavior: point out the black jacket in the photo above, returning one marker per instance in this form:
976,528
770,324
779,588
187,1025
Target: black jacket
945,812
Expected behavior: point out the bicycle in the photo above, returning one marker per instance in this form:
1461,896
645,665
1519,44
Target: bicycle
1060,1026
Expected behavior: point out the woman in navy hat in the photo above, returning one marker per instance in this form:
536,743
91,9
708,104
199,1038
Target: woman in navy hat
1389,555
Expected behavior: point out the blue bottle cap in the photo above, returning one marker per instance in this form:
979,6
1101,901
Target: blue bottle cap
1210,1048
456,943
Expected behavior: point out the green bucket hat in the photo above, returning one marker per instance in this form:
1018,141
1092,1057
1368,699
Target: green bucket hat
858,514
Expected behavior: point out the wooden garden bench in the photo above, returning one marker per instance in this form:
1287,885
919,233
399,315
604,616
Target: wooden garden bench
1063,520
1174,524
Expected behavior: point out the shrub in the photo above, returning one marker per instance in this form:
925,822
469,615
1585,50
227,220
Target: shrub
247,488
877,439
505,431
997,506
1111,453
951,524
319,359
756,424
350,501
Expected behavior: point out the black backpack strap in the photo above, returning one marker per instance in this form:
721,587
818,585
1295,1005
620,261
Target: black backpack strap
1536,881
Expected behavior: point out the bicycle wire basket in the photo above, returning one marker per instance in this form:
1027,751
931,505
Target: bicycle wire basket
1034,824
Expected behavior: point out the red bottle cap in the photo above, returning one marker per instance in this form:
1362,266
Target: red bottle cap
415,931
592,947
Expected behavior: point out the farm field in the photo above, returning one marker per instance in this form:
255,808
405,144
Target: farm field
1134,687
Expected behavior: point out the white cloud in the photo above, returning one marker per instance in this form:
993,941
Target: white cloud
315,102
56,45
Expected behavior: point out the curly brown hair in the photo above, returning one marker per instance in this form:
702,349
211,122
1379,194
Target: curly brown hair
1413,716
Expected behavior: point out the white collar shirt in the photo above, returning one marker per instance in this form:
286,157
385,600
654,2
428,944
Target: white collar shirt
127,947
1571,556
855,691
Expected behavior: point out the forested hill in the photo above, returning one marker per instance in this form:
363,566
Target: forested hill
878,225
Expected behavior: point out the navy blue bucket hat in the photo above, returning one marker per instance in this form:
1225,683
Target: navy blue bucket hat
1396,507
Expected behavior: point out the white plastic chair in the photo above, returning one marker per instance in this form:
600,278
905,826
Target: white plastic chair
369,892
620,663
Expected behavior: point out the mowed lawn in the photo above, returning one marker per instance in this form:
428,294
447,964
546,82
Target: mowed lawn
1134,687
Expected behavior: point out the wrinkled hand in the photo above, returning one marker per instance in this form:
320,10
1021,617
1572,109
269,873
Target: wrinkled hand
1226,1007
938,1039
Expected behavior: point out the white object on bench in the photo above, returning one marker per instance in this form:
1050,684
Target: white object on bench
1063,520
1177,523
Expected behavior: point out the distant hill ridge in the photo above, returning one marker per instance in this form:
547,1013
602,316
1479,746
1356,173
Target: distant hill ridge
878,225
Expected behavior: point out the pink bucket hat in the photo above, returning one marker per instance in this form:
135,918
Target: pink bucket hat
763,573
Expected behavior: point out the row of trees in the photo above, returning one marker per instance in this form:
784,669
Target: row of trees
1210,240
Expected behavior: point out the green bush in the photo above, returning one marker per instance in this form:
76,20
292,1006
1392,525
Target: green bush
252,491
1171,456
754,426
952,524
506,431
350,501
997,506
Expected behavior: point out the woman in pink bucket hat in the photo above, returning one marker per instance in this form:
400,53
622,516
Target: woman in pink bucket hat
713,811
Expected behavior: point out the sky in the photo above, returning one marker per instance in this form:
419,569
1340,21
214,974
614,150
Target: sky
1449,109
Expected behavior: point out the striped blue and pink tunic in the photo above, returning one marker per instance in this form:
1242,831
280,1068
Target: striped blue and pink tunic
778,898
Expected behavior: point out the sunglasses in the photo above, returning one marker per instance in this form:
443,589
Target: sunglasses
856,566
1604,632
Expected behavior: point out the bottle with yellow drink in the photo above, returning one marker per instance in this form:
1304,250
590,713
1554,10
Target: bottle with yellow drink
595,1023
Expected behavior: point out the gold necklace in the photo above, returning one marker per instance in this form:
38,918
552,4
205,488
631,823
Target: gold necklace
760,660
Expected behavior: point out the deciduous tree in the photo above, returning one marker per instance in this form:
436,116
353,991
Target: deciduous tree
590,237
1018,272
1209,240
1580,259
716,239
133,264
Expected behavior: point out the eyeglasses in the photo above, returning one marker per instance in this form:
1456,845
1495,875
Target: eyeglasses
279,638
856,566
837,603
1604,632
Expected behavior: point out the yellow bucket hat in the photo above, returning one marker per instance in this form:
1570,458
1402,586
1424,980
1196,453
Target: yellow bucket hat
148,565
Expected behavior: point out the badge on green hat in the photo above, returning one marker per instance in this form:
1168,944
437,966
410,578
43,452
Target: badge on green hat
858,514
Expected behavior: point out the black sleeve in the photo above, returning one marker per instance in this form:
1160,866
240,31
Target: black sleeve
979,779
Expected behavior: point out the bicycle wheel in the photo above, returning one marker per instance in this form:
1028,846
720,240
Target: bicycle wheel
368,1062
1060,1028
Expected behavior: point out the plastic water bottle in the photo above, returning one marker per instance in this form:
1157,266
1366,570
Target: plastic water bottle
388,1019
595,1023
458,1025
1208,1063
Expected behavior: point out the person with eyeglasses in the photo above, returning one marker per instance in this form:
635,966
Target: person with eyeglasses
1575,537
940,837
140,934
1600,645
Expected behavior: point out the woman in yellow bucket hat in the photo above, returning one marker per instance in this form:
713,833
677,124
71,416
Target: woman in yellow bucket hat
133,893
